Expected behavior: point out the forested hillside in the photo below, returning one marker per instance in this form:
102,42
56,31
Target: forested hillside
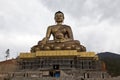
112,62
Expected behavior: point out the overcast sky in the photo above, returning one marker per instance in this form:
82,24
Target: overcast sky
95,23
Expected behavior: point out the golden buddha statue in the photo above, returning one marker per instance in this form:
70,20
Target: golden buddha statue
62,37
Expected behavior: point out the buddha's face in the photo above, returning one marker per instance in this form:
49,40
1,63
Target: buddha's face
59,17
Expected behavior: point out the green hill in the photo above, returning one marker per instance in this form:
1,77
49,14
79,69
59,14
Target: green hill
112,62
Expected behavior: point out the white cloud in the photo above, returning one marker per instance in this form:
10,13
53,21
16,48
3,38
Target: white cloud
23,24
94,22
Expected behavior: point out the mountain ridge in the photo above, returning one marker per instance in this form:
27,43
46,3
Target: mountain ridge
112,61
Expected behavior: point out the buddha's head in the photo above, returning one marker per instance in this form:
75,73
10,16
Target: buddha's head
59,17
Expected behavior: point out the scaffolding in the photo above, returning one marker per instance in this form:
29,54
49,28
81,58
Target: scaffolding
60,62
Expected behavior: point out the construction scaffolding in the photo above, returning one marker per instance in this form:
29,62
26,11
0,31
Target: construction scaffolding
60,63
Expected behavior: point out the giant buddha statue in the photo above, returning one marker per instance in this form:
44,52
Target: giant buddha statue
62,37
